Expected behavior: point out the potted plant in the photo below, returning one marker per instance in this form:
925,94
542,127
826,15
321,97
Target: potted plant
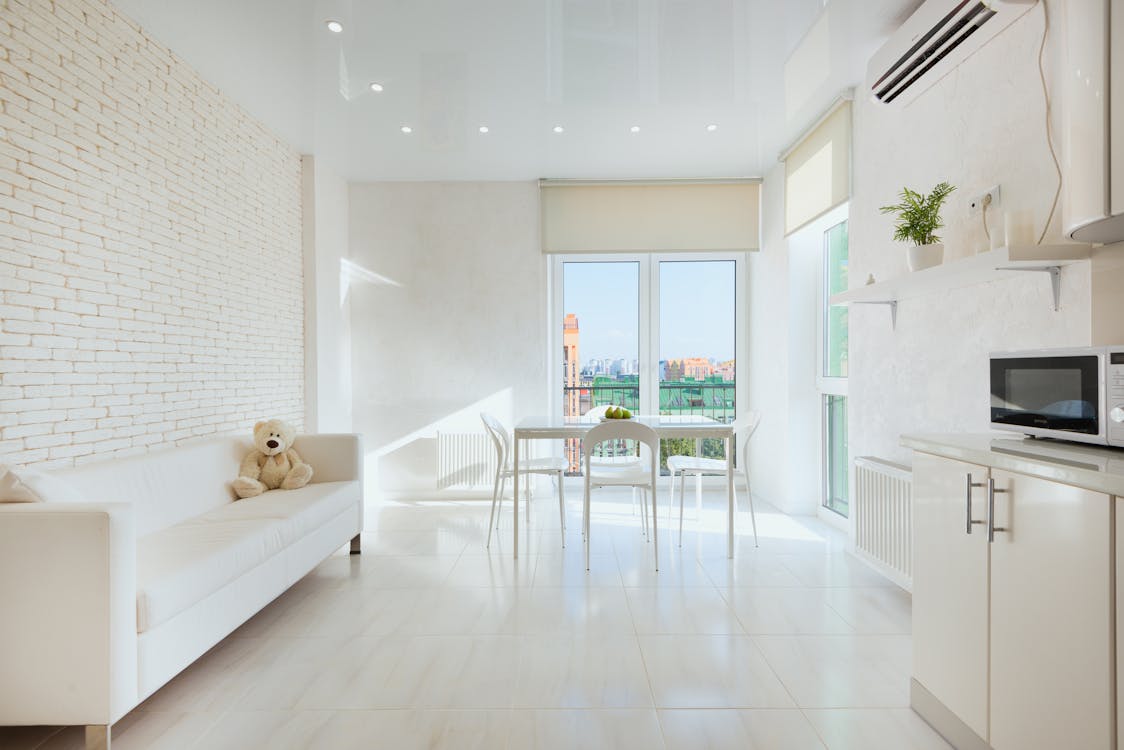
919,217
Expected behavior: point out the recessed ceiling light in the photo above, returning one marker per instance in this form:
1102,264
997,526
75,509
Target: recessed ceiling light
376,87
634,129
407,129
711,128
558,128
334,26
483,128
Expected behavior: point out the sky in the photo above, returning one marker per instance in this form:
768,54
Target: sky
696,309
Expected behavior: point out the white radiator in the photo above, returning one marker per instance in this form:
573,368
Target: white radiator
883,517
465,460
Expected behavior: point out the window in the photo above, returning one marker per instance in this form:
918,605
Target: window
600,340
652,333
833,372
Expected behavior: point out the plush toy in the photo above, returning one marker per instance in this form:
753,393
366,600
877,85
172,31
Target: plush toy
272,464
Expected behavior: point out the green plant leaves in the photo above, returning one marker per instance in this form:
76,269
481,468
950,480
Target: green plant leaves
919,216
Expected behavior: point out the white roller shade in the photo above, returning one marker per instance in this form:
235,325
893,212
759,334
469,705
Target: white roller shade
817,170
608,217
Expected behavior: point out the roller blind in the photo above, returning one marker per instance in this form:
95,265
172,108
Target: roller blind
608,217
817,170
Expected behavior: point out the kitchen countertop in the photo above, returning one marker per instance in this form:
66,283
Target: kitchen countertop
1096,468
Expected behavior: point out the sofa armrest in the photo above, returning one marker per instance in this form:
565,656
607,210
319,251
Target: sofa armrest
333,457
68,633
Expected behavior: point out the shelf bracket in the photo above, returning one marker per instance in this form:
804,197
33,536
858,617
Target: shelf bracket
1055,278
893,305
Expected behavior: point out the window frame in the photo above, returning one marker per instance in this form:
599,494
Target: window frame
829,386
649,333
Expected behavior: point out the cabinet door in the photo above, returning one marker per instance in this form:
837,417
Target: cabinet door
1051,622
1119,503
950,586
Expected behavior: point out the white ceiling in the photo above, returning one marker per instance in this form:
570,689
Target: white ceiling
761,70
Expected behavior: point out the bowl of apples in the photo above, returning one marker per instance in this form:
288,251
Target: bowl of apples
616,412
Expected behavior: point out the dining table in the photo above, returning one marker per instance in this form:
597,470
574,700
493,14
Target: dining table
695,426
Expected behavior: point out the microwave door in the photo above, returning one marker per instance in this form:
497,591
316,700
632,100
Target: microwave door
1048,396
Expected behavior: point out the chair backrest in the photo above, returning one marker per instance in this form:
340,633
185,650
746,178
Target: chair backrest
500,439
620,429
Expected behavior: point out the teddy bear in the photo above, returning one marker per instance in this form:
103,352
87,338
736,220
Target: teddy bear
273,463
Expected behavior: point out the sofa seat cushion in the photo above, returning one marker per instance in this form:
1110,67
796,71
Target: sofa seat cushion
294,513
183,564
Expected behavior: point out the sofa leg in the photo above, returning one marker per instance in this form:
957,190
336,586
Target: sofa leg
355,548
97,736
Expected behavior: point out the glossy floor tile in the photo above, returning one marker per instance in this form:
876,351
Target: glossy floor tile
429,639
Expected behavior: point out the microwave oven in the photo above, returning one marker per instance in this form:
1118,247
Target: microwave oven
1065,394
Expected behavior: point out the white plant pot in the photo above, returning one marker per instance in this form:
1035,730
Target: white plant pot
925,256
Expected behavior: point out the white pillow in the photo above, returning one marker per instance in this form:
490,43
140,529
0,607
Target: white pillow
32,486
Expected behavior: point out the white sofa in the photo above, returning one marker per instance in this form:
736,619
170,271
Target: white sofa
102,602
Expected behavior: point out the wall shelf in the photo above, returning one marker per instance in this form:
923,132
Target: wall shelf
994,265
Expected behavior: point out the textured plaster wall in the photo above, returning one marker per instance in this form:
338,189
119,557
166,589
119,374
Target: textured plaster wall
453,323
980,126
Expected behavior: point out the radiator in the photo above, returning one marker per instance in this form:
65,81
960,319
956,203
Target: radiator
883,517
465,460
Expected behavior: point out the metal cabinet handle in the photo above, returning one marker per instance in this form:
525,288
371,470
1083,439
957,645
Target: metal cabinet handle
968,522
991,527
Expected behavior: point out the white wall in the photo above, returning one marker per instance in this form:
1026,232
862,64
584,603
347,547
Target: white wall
150,246
784,280
327,307
980,126
451,320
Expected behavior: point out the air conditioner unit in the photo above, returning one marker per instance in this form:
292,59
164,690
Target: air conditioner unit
939,36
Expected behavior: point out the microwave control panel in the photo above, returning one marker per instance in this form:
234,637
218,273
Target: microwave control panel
1114,395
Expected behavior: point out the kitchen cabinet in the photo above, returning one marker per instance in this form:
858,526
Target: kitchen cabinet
950,586
1051,616
1015,635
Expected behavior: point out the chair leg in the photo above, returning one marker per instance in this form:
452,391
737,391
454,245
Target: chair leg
562,510
670,495
644,514
682,484
492,520
698,496
655,530
752,515
585,519
499,500
97,736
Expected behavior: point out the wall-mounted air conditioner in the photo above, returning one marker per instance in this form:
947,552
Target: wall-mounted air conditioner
940,35
1093,120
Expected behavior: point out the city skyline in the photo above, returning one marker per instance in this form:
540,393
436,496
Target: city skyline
697,309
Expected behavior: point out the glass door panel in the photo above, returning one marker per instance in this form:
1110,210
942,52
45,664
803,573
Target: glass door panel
836,489
697,342
835,316
600,340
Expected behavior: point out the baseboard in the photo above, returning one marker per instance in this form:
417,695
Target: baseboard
948,725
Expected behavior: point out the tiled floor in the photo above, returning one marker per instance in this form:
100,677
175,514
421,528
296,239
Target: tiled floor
428,640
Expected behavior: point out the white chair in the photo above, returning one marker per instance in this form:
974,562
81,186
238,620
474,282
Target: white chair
554,466
745,425
621,476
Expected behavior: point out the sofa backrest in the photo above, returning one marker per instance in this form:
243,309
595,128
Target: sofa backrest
167,485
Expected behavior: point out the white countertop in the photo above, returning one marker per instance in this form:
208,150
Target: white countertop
1091,467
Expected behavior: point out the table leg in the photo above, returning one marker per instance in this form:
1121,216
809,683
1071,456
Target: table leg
730,497
515,505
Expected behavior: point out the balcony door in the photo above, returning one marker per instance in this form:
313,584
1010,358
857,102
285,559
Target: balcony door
653,333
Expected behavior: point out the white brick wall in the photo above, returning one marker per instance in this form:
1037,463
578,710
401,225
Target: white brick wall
150,248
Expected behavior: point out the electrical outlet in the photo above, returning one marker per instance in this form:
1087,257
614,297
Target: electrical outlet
976,204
